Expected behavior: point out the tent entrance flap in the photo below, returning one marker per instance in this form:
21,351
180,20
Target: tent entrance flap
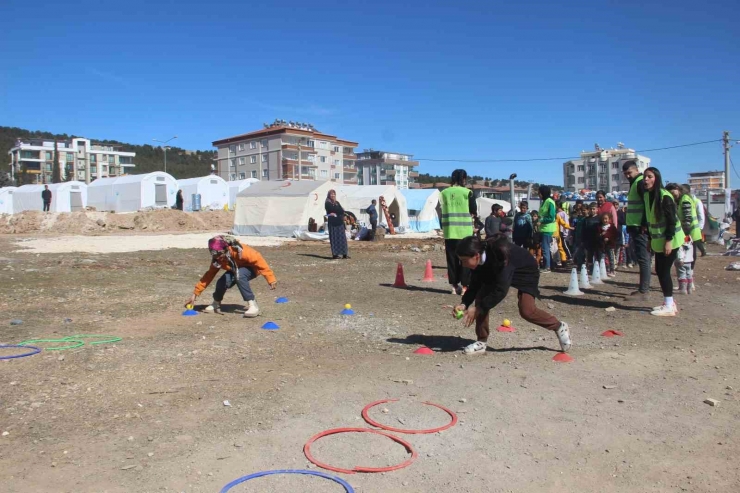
75,201
160,194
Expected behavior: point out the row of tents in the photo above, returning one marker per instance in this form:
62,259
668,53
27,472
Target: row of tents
125,194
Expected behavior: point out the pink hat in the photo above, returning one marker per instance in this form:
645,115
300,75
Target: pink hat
217,245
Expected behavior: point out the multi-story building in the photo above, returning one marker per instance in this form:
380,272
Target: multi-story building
79,159
601,169
707,180
287,151
386,168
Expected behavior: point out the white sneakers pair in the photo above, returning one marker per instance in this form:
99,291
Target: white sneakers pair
665,310
563,334
251,311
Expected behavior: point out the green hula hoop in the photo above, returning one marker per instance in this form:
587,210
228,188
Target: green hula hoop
58,348
94,336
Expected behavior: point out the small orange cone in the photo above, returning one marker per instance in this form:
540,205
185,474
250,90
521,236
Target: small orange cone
423,350
400,281
428,274
562,358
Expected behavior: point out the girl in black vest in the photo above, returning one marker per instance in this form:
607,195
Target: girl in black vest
497,264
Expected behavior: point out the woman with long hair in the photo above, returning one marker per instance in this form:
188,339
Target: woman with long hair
666,236
496,265
337,236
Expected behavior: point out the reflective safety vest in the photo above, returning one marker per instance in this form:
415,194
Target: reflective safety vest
657,225
548,208
692,223
456,220
635,205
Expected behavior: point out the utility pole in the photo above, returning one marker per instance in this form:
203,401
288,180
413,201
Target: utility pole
165,142
728,188
299,161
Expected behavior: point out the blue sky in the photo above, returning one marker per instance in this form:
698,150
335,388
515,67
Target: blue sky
457,80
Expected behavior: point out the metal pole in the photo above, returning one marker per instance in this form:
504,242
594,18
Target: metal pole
728,188
165,159
299,162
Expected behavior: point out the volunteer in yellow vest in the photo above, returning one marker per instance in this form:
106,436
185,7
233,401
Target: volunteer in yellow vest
700,216
458,213
548,211
689,224
636,222
666,236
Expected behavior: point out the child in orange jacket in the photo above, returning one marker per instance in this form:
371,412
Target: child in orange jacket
241,264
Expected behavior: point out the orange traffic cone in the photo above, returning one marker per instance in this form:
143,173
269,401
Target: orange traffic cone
428,274
400,281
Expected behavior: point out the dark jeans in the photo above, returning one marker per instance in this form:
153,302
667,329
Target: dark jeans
46,206
456,273
639,246
663,264
546,239
582,255
373,227
227,280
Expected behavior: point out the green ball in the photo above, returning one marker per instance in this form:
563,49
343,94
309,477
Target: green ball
459,314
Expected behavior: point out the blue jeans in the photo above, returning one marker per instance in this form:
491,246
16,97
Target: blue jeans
228,280
545,243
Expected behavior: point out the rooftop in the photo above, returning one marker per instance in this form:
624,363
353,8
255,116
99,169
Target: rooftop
707,173
282,129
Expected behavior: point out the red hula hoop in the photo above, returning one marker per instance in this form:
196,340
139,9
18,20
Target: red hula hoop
407,446
370,421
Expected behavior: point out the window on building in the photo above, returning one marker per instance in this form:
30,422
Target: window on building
615,177
93,158
615,165
232,177
232,162
324,173
253,145
242,176
580,179
264,173
580,167
252,159
48,156
70,157
323,144
336,162
264,158
242,161
48,167
322,159
336,149
254,173
263,143
241,146
310,143
93,169
232,149
336,176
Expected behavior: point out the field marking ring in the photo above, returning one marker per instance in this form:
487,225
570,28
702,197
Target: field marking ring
342,482
370,421
76,343
109,339
36,350
334,431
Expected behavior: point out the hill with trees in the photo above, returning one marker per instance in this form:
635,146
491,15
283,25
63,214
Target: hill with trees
180,163
480,180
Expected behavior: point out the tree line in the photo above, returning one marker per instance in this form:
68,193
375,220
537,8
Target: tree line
479,180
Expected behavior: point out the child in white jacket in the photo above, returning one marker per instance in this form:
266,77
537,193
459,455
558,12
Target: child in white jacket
684,261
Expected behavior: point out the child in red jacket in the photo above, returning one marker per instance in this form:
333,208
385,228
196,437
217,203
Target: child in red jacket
607,242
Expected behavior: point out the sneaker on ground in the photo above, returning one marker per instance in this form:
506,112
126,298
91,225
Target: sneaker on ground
545,271
252,309
563,333
214,307
664,311
475,348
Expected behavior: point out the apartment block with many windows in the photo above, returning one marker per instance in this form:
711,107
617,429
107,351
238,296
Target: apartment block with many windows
79,159
601,169
287,151
707,180
386,168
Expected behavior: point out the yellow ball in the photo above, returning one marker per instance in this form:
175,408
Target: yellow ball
348,306
507,322
190,307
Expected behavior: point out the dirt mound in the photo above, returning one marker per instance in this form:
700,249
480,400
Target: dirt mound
94,223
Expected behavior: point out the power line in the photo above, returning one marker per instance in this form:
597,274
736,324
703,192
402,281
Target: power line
555,158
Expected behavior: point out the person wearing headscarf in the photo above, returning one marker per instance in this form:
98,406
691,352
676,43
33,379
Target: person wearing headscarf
241,264
335,216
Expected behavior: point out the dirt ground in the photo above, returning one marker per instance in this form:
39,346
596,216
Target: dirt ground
147,414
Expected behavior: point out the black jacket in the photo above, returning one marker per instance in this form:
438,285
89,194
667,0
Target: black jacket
337,209
46,195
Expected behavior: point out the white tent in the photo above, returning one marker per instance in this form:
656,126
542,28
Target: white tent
237,186
422,207
357,198
69,196
278,208
484,206
6,200
133,192
213,190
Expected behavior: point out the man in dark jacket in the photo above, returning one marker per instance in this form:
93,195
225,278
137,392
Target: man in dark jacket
373,213
46,197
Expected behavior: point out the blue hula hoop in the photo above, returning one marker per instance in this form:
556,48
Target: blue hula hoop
36,350
342,482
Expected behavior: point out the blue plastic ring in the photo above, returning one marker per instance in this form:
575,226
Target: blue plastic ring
36,351
342,482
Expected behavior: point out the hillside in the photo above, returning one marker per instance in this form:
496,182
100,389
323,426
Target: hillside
148,158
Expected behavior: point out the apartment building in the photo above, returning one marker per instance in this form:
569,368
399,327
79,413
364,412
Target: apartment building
707,180
386,168
601,169
287,151
80,159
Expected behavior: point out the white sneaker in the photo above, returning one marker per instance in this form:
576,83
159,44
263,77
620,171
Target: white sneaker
476,348
563,334
252,309
214,307
664,311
